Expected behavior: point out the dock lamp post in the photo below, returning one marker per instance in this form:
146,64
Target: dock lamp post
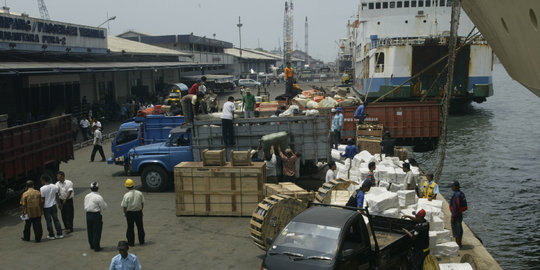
240,35
109,19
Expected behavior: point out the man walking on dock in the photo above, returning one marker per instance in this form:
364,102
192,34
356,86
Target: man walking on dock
458,204
133,204
98,145
31,203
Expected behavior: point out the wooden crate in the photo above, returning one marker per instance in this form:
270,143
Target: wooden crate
241,158
372,145
289,189
369,130
218,190
213,157
402,153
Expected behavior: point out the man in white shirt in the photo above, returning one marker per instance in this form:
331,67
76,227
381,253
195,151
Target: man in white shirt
271,161
202,87
65,202
98,145
331,173
94,205
227,117
409,178
85,124
49,192
133,204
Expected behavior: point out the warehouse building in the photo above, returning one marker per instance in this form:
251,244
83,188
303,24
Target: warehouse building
48,68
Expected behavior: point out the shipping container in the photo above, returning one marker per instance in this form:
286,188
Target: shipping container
29,150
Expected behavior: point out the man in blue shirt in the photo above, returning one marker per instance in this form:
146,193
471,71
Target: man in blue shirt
351,150
359,113
458,204
124,260
357,199
337,125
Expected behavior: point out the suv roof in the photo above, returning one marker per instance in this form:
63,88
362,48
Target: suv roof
323,215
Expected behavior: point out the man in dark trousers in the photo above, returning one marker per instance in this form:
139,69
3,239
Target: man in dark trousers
227,116
458,204
420,239
65,196
133,204
357,199
32,208
94,205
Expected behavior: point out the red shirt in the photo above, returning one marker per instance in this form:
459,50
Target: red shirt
194,89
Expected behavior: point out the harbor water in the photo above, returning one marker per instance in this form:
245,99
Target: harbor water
494,153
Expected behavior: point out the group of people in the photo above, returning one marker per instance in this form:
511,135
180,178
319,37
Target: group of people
50,197
199,100
420,235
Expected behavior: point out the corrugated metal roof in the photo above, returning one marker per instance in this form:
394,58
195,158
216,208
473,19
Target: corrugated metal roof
119,45
88,66
250,54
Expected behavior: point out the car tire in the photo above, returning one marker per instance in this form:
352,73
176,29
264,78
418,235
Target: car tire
154,178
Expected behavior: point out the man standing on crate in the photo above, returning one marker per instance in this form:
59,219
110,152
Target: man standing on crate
133,204
360,113
337,126
227,117
289,80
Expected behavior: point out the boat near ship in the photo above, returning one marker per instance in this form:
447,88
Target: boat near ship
395,41
511,28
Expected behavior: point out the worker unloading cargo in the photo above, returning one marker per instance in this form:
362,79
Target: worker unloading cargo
360,113
420,238
357,198
289,80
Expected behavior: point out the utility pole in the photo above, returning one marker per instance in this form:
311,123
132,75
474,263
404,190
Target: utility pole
306,43
240,35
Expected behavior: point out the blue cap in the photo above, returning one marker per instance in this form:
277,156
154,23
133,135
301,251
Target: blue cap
455,183
339,109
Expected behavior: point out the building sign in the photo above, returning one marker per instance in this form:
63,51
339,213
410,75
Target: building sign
25,33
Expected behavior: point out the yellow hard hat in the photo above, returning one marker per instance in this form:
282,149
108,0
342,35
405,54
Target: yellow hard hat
129,183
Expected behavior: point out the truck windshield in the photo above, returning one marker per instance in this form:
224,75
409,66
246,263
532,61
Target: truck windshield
127,135
307,239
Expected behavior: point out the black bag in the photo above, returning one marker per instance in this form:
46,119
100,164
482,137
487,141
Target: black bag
353,200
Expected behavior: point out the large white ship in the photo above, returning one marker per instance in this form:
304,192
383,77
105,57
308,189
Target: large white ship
396,40
512,29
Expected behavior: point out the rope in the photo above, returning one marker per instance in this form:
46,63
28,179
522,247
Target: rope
448,87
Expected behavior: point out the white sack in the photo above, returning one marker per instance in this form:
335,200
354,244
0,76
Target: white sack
455,266
436,224
406,198
450,249
336,155
380,202
312,104
395,187
312,112
392,212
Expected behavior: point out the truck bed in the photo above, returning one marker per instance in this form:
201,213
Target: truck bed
307,134
386,238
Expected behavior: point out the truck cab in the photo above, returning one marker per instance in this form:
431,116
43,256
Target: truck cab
155,162
141,131
336,237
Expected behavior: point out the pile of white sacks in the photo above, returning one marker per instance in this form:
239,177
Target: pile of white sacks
391,199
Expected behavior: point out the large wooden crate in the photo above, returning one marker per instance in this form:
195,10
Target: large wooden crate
218,190
213,157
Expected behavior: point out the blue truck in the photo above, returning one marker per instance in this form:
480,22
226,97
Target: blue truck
155,162
141,131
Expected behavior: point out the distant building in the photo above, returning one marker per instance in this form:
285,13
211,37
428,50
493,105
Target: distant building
251,61
314,64
207,52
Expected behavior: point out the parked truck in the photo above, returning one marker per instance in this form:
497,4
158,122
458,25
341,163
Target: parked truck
155,162
141,131
29,150
338,237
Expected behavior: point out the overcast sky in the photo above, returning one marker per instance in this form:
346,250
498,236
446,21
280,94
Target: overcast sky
262,19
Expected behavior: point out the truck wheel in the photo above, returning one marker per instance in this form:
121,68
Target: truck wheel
127,167
154,178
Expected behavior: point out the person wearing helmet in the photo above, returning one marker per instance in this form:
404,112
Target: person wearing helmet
94,205
420,237
133,204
